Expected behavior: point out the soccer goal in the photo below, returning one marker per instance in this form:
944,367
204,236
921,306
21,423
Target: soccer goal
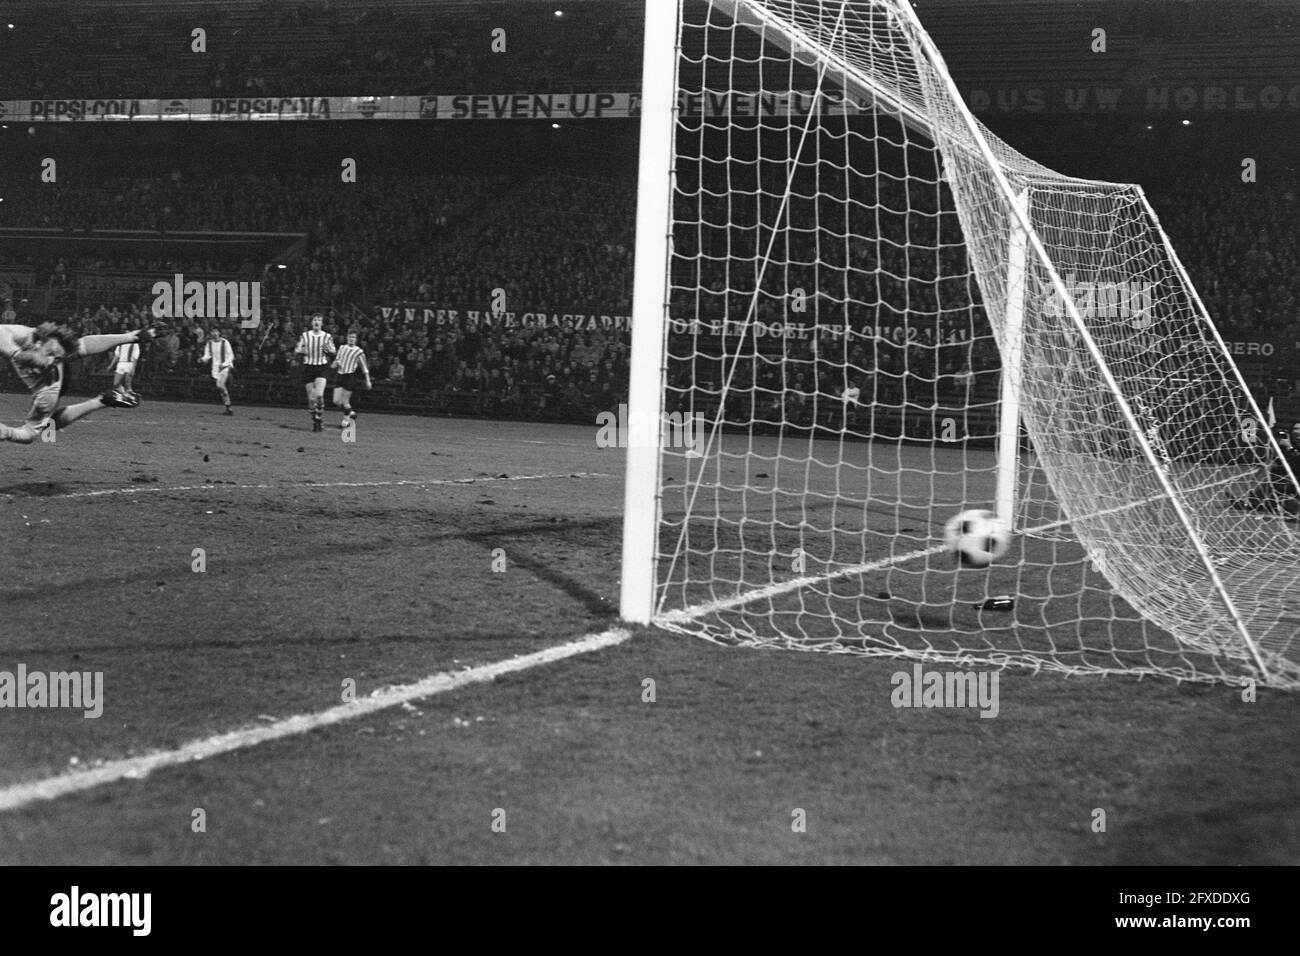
883,315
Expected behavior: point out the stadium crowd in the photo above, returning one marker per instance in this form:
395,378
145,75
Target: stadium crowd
321,47
547,242
343,47
1240,245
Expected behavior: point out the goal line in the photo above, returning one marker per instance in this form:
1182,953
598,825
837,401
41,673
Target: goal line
20,795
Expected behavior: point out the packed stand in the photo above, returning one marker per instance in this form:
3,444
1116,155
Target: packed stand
317,49
1241,247
559,244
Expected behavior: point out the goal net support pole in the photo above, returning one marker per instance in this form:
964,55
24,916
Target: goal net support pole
1013,350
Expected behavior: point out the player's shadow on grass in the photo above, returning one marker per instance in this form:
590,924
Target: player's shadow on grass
490,538
593,602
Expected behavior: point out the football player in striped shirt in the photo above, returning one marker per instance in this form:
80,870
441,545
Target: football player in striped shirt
221,354
350,358
315,346
37,356
124,358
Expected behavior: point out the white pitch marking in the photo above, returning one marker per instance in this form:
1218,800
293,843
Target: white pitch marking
136,768
315,484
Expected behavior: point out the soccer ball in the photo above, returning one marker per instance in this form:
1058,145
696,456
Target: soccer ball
977,537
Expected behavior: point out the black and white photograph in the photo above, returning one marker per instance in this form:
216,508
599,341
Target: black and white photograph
651,433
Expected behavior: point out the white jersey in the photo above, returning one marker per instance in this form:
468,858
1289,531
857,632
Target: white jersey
220,354
15,338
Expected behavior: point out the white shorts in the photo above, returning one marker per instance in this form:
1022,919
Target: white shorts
220,377
125,368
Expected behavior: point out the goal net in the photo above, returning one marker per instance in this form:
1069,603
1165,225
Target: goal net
879,315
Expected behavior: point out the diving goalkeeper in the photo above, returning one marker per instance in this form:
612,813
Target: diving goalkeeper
37,355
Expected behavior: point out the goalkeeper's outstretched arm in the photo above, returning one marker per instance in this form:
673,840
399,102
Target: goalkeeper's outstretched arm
9,347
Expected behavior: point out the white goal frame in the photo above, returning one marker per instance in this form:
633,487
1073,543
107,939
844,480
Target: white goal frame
645,400
651,291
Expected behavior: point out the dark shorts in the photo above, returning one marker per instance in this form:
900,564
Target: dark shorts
312,372
349,382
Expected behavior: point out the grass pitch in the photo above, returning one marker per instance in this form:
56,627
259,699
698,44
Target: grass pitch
373,562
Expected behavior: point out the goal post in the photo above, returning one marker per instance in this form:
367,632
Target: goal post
649,310
868,298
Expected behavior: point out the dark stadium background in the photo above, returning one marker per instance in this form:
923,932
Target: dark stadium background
446,212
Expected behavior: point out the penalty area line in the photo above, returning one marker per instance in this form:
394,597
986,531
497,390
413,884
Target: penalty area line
137,768
408,483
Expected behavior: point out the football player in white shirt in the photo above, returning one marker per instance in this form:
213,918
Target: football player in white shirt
221,354
124,358
37,355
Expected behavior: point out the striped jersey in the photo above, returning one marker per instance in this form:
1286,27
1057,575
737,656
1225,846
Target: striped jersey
126,353
349,358
315,347
220,353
